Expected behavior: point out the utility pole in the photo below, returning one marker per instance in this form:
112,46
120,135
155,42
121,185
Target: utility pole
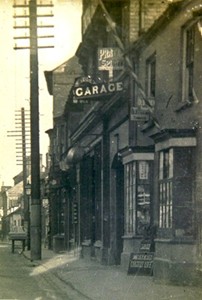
35,226
35,229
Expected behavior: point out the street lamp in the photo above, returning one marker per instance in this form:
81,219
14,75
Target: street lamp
28,189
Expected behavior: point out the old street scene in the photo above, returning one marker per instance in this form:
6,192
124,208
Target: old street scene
101,186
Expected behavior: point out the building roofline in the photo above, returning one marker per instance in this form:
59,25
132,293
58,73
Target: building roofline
172,10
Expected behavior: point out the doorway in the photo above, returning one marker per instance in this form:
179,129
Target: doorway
118,170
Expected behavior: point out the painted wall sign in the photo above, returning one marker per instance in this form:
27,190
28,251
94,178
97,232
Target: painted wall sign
95,91
110,59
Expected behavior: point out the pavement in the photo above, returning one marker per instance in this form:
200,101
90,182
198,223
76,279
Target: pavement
93,281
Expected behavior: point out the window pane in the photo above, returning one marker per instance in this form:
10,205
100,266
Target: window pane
189,48
164,212
170,163
143,208
161,166
151,76
143,197
130,197
176,213
138,197
183,203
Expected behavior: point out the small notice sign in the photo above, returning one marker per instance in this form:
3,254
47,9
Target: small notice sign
139,115
141,264
146,246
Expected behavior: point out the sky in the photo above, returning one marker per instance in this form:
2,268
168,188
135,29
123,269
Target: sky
14,83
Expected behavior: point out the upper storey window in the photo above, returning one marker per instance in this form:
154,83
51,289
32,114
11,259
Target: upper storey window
188,64
151,78
176,205
191,61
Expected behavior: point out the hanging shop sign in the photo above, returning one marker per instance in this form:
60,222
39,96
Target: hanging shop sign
110,59
86,89
139,114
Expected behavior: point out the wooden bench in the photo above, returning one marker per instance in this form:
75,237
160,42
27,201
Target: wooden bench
15,236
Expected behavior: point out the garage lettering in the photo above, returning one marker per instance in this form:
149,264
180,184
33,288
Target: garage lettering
98,89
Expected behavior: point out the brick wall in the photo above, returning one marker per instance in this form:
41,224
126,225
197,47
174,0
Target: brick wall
152,10
148,11
134,21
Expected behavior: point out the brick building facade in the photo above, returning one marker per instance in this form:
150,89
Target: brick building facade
132,160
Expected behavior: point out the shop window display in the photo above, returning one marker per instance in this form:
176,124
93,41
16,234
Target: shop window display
138,197
176,204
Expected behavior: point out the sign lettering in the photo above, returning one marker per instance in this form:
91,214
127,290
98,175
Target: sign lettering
110,59
141,263
139,114
95,90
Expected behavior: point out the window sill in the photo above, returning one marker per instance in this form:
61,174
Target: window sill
98,244
86,243
147,126
132,237
183,105
181,240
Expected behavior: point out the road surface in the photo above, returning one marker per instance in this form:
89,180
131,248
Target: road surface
24,280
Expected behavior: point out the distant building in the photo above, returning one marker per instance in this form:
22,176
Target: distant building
60,82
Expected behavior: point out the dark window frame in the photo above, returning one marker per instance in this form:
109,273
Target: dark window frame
176,203
151,76
190,46
138,192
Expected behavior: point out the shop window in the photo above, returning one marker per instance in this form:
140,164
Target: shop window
165,188
143,197
138,197
175,191
130,197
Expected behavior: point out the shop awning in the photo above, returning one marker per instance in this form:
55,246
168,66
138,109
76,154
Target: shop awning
74,155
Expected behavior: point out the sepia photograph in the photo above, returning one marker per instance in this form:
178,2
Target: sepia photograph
101,149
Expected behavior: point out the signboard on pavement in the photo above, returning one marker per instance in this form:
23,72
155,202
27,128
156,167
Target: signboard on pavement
141,263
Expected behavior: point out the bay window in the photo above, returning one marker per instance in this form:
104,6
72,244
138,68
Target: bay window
138,196
175,191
